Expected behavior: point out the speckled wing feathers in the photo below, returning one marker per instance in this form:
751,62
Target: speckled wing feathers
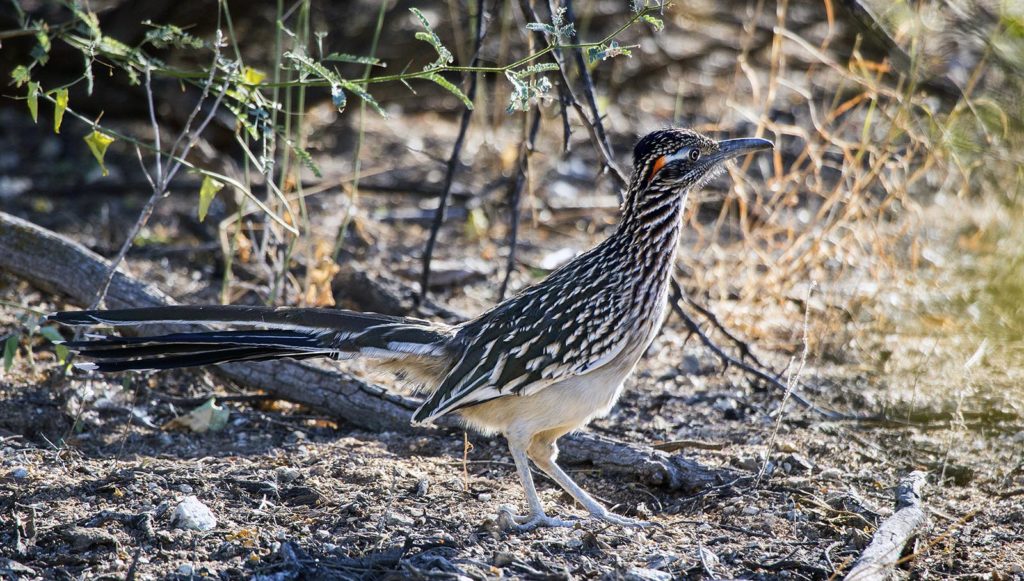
567,325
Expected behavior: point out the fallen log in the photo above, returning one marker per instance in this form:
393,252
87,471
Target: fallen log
879,559
57,264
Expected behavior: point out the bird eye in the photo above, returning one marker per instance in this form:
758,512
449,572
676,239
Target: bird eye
694,154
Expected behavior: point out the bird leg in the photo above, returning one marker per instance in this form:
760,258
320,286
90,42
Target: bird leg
544,451
537,517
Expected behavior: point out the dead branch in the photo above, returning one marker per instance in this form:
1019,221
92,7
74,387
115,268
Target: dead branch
57,264
880,558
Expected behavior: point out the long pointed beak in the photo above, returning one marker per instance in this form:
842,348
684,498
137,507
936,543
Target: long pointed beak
731,148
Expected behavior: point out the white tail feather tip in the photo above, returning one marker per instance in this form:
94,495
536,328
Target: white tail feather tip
85,366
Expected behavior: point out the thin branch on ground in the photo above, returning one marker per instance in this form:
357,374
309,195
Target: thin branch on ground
883,554
743,346
758,372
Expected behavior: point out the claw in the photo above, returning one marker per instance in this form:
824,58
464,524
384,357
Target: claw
620,520
508,520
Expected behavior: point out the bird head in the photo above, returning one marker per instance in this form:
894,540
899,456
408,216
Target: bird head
680,159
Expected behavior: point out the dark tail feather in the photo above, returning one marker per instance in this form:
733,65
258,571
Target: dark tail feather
194,359
195,349
289,332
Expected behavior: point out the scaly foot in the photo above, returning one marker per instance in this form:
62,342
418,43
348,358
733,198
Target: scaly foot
508,520
618,519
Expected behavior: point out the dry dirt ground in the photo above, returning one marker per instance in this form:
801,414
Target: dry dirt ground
89,481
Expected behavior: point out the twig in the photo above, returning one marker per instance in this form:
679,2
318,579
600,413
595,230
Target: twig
161,180
595,138
794,378
588,94
743,346
453,160
758,372
883,554
514,195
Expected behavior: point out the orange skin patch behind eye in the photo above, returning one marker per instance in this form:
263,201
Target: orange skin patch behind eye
660,163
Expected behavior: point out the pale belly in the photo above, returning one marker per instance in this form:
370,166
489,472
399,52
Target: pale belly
565,406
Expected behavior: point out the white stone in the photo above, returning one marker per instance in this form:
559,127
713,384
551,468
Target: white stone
191,514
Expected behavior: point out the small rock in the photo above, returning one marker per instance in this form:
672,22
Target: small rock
484,497
18,473
191,514
503,559
832,474
186,569
557,258
751,510
644,574
185,488
287,474
749,463
82,538
16,568
797,464
398,519
422,487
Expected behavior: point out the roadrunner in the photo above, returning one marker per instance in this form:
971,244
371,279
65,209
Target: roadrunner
533,368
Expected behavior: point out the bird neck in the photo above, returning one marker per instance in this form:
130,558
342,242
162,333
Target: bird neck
652,220
646,241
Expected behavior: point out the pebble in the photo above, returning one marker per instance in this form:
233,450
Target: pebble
484,497
19,473
191,514
796,463
749,463
287,474
751,510
82,538
644,574
831,474
185,488
397,519
185,569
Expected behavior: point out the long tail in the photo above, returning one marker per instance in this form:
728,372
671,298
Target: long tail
408,344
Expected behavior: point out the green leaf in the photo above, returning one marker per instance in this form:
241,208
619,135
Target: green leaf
351,58
253,76
98,144
61,100
305,158
10,348
362,94
33,100
41,52
308,66
57,339
168,35
207,191
656,23
451,89
20,75
533,69
444,56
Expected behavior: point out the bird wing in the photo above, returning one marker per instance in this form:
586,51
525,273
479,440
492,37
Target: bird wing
548,334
